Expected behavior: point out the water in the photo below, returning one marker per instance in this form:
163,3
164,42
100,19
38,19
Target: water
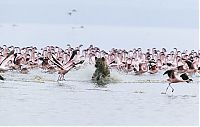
38,99
102,36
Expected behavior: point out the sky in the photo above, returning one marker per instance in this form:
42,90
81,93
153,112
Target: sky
107,23
145,13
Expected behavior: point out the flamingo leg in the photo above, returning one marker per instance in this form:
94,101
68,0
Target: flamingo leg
59,76
63,77
167,88
171,87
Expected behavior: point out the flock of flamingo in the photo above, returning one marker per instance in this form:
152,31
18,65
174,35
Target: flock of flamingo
55,59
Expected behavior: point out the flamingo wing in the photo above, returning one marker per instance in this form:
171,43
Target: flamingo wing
184,76
170,73
9,54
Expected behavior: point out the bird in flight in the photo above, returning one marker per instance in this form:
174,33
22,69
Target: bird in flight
71,12
173,79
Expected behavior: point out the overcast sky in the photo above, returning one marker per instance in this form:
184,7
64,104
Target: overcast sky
150,13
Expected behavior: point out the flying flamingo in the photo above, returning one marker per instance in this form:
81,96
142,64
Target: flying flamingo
64,69
5,60
174,79
2,67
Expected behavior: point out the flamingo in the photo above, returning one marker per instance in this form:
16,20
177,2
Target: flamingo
5,60
64,69
174,79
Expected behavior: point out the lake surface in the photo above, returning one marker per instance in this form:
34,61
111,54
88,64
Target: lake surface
38,99
102,36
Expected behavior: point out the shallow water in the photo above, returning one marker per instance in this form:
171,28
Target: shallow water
38,99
